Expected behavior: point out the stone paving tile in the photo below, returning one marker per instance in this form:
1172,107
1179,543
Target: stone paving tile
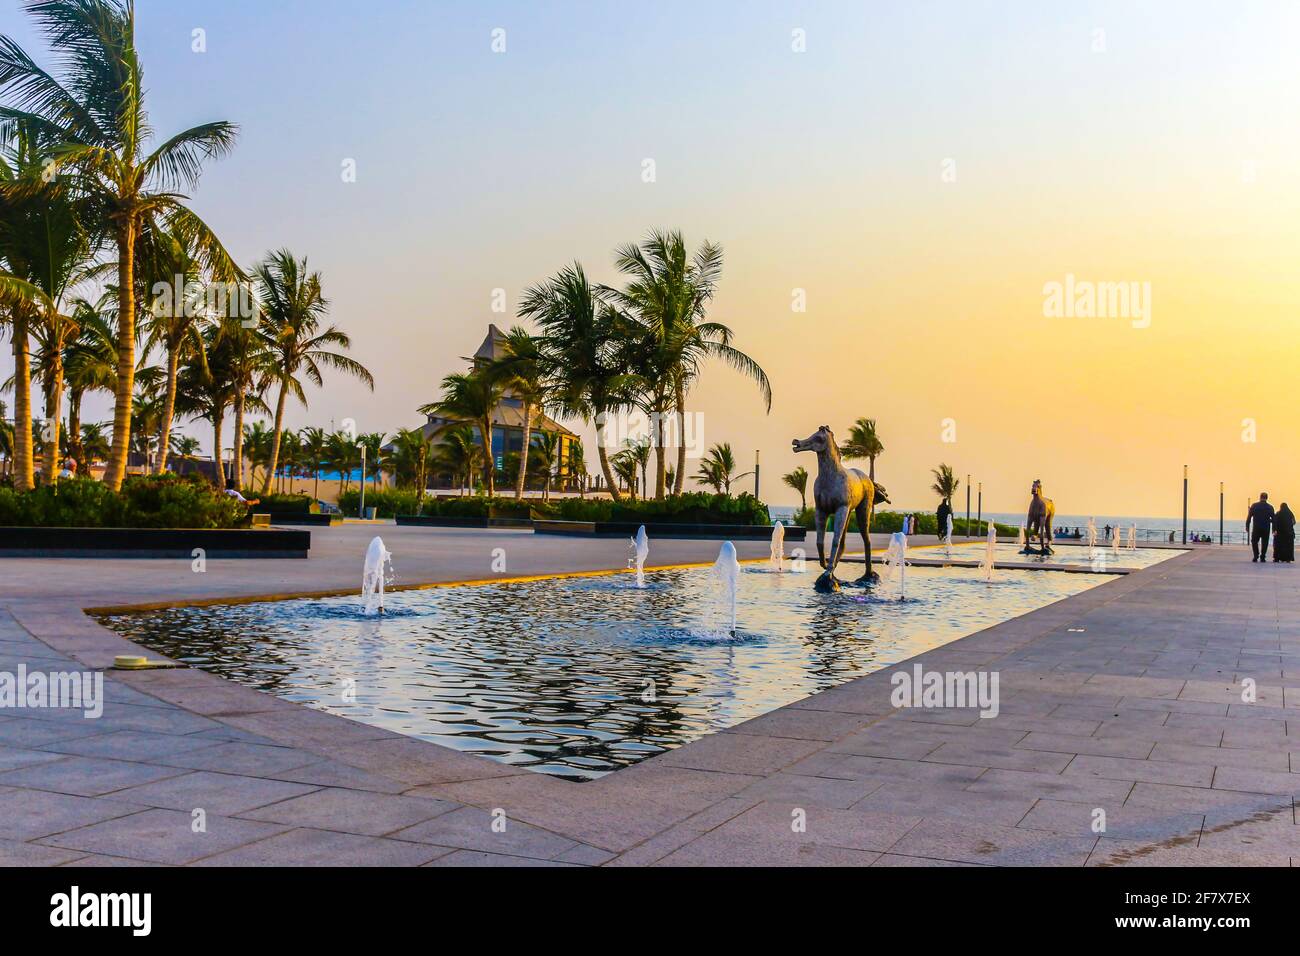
1150,771
1018,784
1003,758
1277,834
470,828
1253,781
936,802
308,847
809,791
17,732
1128,822
28,814
130,745
418,763
239,757
853,767
162,836
1111,852
1222,756
220,793
657,847
716,849
740,753
99,860
580,855
11,758
1218,805
13,853
801,724
86,776
329,773
460,858
991,844
351,811
775,824
896,859
1116,746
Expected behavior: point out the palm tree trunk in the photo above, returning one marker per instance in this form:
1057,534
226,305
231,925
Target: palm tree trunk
168,410
658,423
871,468
523,452
275,439
217,416
53,414
603,455
237,463
489,463
74,433
24,464
122,395
680,476
315,491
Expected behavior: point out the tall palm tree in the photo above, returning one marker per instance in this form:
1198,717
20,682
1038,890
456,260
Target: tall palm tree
45,244
90,365
471,397
625,466
576,467
945,483
314,444
668,291
375,461
97,115
184,446
639,451
344,456
251,370
798,480
863,442
292,309
718,469
585,344
413,456
546,451
257,448
457,454
523,371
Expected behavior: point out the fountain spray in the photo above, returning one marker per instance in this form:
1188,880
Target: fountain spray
378,568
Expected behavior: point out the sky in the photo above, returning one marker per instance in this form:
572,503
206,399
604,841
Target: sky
917,174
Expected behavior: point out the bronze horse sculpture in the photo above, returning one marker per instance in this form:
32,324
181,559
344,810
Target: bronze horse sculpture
1039,521
837,491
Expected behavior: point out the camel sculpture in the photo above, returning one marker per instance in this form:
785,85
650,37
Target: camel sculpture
1041,513
837,491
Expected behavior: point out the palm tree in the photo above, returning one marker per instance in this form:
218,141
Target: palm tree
97,115
638,451
546,451
184,446
46,250
6,439
718,469
584,342
344,456
292,309
413,456
945,483
625,466
90,365
863,442
94,445
471,397
668,292
798,480
375,461
290,453
257,448
522,370
457,454
314,443
576,467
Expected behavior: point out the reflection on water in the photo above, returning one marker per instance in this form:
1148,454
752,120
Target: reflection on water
1101,557
582,676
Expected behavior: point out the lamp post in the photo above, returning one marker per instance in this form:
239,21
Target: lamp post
755,472
361,513
979,507
968,504
1220,514
1184,504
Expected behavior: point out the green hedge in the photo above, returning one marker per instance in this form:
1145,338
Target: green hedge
690,508
165,501
887,522
280,504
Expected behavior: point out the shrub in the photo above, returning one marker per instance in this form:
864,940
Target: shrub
887,522
152,501
281,504
691,508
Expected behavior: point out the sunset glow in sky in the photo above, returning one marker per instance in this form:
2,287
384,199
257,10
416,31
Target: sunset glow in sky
922,171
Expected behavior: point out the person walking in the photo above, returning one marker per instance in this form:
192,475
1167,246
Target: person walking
1259,522
1284,535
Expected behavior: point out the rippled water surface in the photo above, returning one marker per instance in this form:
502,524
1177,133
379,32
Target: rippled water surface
582,676
1099,559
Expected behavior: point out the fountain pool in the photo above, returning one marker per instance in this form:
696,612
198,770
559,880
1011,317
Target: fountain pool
581,676
1071,555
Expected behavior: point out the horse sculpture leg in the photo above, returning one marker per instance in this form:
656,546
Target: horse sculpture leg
820,522
827,584
869,576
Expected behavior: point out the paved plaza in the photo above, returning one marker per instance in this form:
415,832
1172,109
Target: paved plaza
1128,704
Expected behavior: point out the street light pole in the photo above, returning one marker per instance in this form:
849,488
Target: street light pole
979,507
1184,504
755,472
968,505
1220,514
361,513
